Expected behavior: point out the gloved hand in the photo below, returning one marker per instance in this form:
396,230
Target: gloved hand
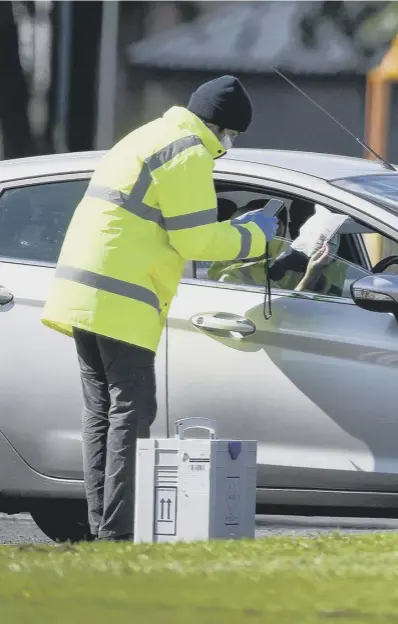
268,225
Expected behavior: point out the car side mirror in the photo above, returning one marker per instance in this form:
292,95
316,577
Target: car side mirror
376,293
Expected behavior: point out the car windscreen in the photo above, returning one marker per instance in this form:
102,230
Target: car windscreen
381,189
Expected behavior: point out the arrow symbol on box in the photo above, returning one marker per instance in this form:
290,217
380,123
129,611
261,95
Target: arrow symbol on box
162,502
168,502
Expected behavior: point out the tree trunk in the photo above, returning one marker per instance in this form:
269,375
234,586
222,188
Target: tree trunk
47,140
86,36
14,97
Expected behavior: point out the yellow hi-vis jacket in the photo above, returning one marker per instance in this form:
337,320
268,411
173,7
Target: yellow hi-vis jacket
150,206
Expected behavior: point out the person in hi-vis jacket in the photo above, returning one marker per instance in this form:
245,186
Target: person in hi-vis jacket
150,206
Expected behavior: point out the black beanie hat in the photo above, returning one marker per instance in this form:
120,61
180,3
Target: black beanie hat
223,102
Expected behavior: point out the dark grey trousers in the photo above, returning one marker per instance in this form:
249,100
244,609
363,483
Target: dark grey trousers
119,390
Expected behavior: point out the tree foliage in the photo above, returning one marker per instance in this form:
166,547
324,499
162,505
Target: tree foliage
370,25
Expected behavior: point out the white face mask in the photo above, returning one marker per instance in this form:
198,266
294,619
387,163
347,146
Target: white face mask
227,142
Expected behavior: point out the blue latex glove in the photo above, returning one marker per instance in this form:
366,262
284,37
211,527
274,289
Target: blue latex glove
268,225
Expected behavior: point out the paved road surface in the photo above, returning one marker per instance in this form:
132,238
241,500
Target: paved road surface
21,529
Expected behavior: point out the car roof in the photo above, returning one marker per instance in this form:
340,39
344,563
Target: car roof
318,165
323,166
51,164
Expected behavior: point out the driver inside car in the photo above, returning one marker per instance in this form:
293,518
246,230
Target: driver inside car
323,273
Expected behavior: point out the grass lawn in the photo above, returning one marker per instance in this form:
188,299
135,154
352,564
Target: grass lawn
333,578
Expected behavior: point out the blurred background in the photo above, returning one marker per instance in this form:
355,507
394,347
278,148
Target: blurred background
79,75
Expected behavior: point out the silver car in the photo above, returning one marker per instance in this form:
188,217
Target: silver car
316,384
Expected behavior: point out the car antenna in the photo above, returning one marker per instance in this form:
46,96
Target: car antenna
381,160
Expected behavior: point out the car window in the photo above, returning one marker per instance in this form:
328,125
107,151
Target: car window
357,246
234,200
287,271
34,219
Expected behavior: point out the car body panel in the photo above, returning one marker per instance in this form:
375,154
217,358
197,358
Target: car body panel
301,385
19,481
40,394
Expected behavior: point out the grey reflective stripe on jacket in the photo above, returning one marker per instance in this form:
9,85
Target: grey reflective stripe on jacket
108,284
134,201
246,241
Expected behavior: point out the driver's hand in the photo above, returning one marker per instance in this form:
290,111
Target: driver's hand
319,260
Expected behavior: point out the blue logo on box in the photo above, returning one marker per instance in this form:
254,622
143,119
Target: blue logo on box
234,449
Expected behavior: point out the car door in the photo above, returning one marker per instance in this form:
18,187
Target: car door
40,395
315,385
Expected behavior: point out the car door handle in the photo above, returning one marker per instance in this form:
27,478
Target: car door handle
223,322
5,296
